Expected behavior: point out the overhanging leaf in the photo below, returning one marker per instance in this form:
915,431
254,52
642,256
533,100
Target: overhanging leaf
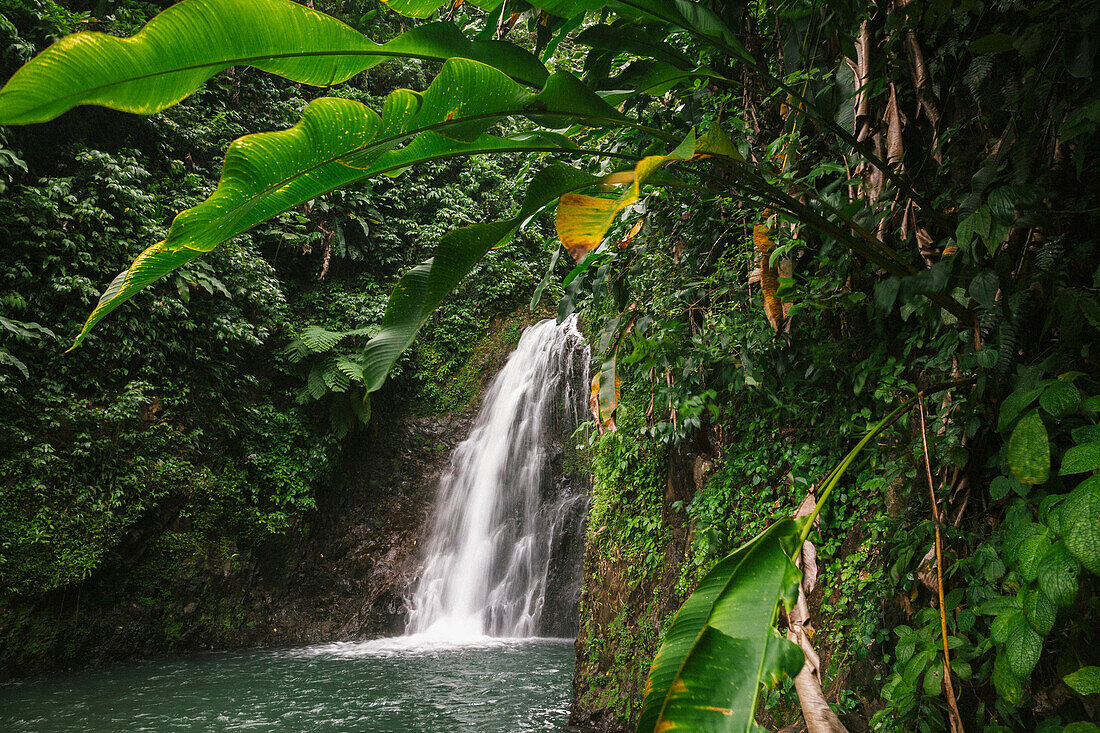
339,141
733,610
424,8
421,290
582,221
149,266
691,16
191,41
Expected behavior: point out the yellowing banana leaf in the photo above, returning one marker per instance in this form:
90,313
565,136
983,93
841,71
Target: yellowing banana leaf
769,275
722,645
604,399
191,41
582,221
715,142
629,237
339,141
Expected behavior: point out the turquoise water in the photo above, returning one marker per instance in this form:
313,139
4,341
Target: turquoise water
387,685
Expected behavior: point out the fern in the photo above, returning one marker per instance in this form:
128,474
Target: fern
977,72
351,366
334,375
315,383
318,340
335,379
1049,255
1010,337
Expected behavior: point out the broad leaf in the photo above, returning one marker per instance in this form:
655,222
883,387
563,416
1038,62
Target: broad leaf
1038,609
1008,685
1081,515
1029,450
1030,554
425,8
1086,434
1081,458
694,17
1014,404
635,40
1085,681
191,41
1022,644
421,290
583,221
732,611
148,267
1060,399
1057,575
338,142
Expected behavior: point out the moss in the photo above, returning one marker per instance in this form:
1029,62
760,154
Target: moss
632,550
454,375
27,636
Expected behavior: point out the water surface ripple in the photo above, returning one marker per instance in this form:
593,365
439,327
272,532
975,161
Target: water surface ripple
403,684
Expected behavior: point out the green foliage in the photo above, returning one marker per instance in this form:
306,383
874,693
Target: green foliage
162,63
722,646
192,407
967,253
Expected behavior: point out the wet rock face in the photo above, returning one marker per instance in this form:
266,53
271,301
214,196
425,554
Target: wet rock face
565,578
363,555
624,607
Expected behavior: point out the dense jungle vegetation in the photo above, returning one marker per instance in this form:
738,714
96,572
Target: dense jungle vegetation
220,406
828,214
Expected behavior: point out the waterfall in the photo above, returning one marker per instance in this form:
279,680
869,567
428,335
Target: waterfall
502,514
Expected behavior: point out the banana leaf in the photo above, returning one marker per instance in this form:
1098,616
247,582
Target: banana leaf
338,142
191,41
722,647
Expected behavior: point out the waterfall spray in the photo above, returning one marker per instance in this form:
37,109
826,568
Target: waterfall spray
499,513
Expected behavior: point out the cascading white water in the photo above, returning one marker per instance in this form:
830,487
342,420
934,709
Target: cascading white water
488,555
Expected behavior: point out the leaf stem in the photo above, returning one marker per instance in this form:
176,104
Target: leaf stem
833,477
948,685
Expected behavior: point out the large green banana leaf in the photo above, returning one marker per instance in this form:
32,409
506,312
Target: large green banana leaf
339,141
694,17
722,645
425,8
191,41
